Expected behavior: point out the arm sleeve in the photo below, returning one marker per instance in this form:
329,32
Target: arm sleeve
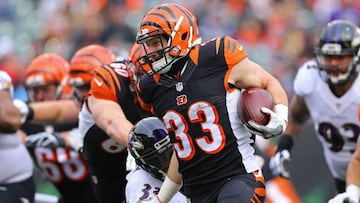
305,79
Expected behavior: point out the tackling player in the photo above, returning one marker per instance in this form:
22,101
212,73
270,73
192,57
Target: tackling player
327,92
107,115
150,145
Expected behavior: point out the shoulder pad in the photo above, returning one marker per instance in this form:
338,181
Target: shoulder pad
306,78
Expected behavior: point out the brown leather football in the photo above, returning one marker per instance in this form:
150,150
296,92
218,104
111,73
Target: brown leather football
250,103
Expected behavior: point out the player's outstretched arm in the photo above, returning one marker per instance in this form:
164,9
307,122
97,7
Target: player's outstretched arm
49,112
109,116
352,193
56,112
171,184
353,171
9,114
298,115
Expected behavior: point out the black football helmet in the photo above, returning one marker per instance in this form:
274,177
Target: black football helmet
338,38
150,145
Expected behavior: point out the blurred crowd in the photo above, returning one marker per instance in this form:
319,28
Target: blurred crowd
277,34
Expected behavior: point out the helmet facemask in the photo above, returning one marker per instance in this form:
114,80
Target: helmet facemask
157,162
340,41
159,61
336,74
151,146
134,70
172,30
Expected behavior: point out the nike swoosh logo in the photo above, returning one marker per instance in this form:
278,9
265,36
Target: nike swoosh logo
240,48
99,83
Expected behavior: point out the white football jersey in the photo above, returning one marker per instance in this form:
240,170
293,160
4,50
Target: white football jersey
335,119
11,149
141,186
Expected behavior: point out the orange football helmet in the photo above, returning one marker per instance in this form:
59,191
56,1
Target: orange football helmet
85,60
48,69
134,69
173,22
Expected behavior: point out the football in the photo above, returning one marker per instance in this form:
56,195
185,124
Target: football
250,103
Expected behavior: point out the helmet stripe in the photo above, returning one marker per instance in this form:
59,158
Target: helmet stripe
91,56
186,14
328,36
338,33
171,13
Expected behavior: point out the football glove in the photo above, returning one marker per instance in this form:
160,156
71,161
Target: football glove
279,163
44,139
74,139
26,111
351,195
276,125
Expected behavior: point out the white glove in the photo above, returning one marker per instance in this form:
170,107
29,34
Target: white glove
279,163
23,108
130,162
352,195
276,125
74,139
44,139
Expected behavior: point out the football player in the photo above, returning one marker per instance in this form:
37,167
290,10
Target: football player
56,157
194,88
327,92
82,66
150,145
352,192
106,117
16,177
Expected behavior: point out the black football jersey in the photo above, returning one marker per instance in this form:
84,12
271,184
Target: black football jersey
105,157
199,108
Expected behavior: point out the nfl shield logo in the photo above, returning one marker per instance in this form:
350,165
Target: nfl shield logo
179,86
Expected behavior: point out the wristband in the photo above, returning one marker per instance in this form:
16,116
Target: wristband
168,190
286,142
30,115
282,111
354,190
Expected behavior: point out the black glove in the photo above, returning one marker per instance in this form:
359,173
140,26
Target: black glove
280,161
45,139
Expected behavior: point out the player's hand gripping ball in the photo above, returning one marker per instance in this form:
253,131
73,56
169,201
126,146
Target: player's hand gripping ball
249,107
